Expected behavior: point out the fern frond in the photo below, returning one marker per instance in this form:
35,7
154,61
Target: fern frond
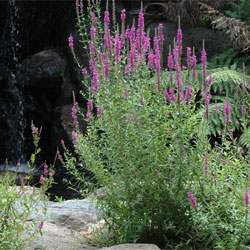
245,138
228,80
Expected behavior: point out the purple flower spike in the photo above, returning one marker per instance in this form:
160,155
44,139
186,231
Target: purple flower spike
99,112
45,169
90,105
94,18
227,112
192,200
189,61
204,63
128,118
71,44
42,179
125,94
106,18
123,15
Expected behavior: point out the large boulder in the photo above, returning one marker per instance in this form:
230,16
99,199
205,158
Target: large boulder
66,224
42,70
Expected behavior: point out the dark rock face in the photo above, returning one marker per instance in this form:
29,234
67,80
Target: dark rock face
42,70
192,37
46,83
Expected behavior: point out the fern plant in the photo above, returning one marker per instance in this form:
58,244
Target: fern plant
228,84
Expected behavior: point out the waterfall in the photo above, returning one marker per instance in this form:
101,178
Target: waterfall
15,111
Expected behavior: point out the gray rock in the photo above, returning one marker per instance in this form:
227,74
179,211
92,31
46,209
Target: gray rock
61,238
132,247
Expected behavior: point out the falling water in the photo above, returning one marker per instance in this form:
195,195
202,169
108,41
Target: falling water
15,112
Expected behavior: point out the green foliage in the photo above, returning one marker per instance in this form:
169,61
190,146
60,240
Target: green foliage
228,84
147,154
243,11
240,10
230,59
17,203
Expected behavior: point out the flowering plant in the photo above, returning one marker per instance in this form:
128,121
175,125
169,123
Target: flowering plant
17,203
149,149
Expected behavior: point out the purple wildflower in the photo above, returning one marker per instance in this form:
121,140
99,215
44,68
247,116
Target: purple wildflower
188,93
157,56
34,130
193,64
74,136
123,15
170,62
92,65
145,43
128,118
178,76
140,33
189,61
192,200
59,157
167,96
204,63
179,42
74,112
106,18
127,33
227,112
132,55
90,105
95,85
132,37
94,18
70,39
88,115
107,40
93,32
209,81
160,34
42,179
45,169
150,60
99,111
41,224
84,72
118,45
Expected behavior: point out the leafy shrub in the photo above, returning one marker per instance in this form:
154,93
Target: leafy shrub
147,146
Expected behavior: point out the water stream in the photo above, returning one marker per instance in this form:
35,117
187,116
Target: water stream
15,111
